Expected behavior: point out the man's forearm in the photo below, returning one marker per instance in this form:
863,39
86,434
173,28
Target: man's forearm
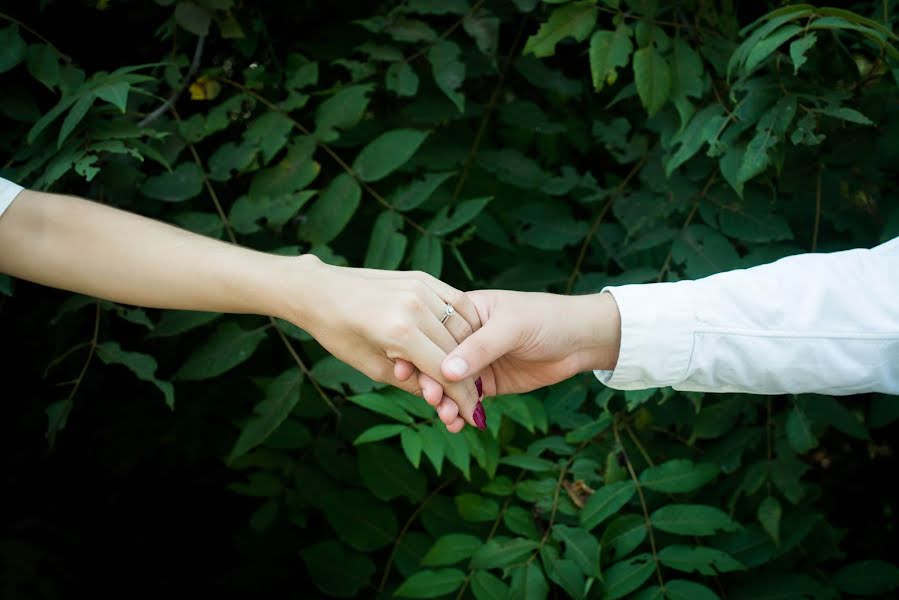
85,247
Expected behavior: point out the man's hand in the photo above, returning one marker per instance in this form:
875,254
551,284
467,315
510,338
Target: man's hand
528,341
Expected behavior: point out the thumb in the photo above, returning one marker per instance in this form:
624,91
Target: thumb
493,340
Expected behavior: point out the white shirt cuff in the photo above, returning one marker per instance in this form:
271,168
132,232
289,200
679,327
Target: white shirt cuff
657,327
8,193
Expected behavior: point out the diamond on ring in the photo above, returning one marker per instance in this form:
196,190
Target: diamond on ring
447,313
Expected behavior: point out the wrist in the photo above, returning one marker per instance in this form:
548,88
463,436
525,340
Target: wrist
299,297
599,331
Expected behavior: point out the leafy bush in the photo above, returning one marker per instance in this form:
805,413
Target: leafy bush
560,146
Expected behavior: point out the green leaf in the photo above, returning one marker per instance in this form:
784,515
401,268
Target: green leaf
703,127
281,396
681,589
387,245
519,521
331,211
12,48
622,536
246,212
184,182
431,584
798,49
142,365
486,586
609,51
624,577
844,113
580,547
417,192
75,116
704,252
764,48
228,347
116,93
449,71
412,445
605,502
678,476
334,374
387,152
799,430
377,403
497,554
401,79
361,521
43,63
193,18
387,475
473,507
691,519
451,549
564,572
175,322
378,433
653,78
769,514
446,222
527,462
700,559
867,578
528,583
341,111
427,255
293,173
769,132
576,19
432,445
336,570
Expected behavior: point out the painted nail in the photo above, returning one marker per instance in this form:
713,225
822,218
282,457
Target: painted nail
480,386
479,418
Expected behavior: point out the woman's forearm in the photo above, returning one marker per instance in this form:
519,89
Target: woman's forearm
86,247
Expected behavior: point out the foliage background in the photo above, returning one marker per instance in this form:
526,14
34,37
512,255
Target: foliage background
558,146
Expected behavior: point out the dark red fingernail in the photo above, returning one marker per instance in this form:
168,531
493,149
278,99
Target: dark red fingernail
479,418
480,386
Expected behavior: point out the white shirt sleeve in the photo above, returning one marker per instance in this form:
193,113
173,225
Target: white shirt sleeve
824,323
8,193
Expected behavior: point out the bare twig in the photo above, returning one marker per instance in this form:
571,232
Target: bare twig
194,66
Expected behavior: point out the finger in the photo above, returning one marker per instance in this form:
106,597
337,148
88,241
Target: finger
431,391
459,300
403,369
480,349
421,350
456,426
447,410
455,323
440,336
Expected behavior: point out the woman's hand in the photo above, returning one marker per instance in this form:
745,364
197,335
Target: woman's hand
529,340
370,319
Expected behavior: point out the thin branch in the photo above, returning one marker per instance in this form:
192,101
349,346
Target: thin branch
639,445
636,480
491,105
496,522
477,6
402,533
194,66
64,356
11,19
230,231
76,383
602,213
702,194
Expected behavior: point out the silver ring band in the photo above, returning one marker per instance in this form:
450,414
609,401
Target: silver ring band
447,313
